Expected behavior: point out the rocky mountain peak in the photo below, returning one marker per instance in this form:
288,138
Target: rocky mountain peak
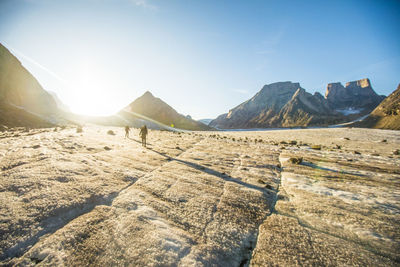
286,104
333,88
156,109
271,97
361,87
363,83
314,103
280,86
276,90
147,94
355,95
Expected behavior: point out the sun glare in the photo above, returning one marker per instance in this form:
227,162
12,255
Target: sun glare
91,91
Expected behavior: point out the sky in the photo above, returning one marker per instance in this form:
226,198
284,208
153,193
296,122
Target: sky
201,57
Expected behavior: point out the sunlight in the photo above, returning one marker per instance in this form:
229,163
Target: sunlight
91,91
199,133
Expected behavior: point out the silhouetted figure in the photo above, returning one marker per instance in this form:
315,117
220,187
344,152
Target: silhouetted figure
127,131
143,134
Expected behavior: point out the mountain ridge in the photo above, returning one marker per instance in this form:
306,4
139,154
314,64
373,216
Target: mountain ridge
386,115
156,109
355,94
281,104
23,100
287,104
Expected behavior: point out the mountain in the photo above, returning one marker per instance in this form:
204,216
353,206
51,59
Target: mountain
12,116
23,101
154,110
356,96
286,104
305,109
260,109
386,115
59,102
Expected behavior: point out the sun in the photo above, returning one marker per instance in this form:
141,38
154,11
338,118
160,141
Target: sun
91,91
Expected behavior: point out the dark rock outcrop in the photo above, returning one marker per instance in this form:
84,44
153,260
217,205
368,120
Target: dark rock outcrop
23,101
306,109
356,95
386,115
153,110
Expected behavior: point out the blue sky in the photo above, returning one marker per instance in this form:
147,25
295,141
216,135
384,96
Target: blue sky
201,57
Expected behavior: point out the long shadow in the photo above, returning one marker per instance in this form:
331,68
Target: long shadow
312,165
138,141
220,175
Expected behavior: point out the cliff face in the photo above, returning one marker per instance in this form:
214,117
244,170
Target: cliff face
286,104
260,109
155,109
356,95
21,96
283,104
386,115
19,87
306,109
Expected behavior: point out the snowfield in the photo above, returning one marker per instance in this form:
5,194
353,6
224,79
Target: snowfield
199,198
349,111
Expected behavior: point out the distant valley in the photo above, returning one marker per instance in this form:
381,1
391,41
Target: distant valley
206,121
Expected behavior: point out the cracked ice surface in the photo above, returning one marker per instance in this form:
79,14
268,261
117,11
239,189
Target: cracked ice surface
185,200
198,198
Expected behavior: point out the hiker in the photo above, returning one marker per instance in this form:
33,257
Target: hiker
127,131
142,134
